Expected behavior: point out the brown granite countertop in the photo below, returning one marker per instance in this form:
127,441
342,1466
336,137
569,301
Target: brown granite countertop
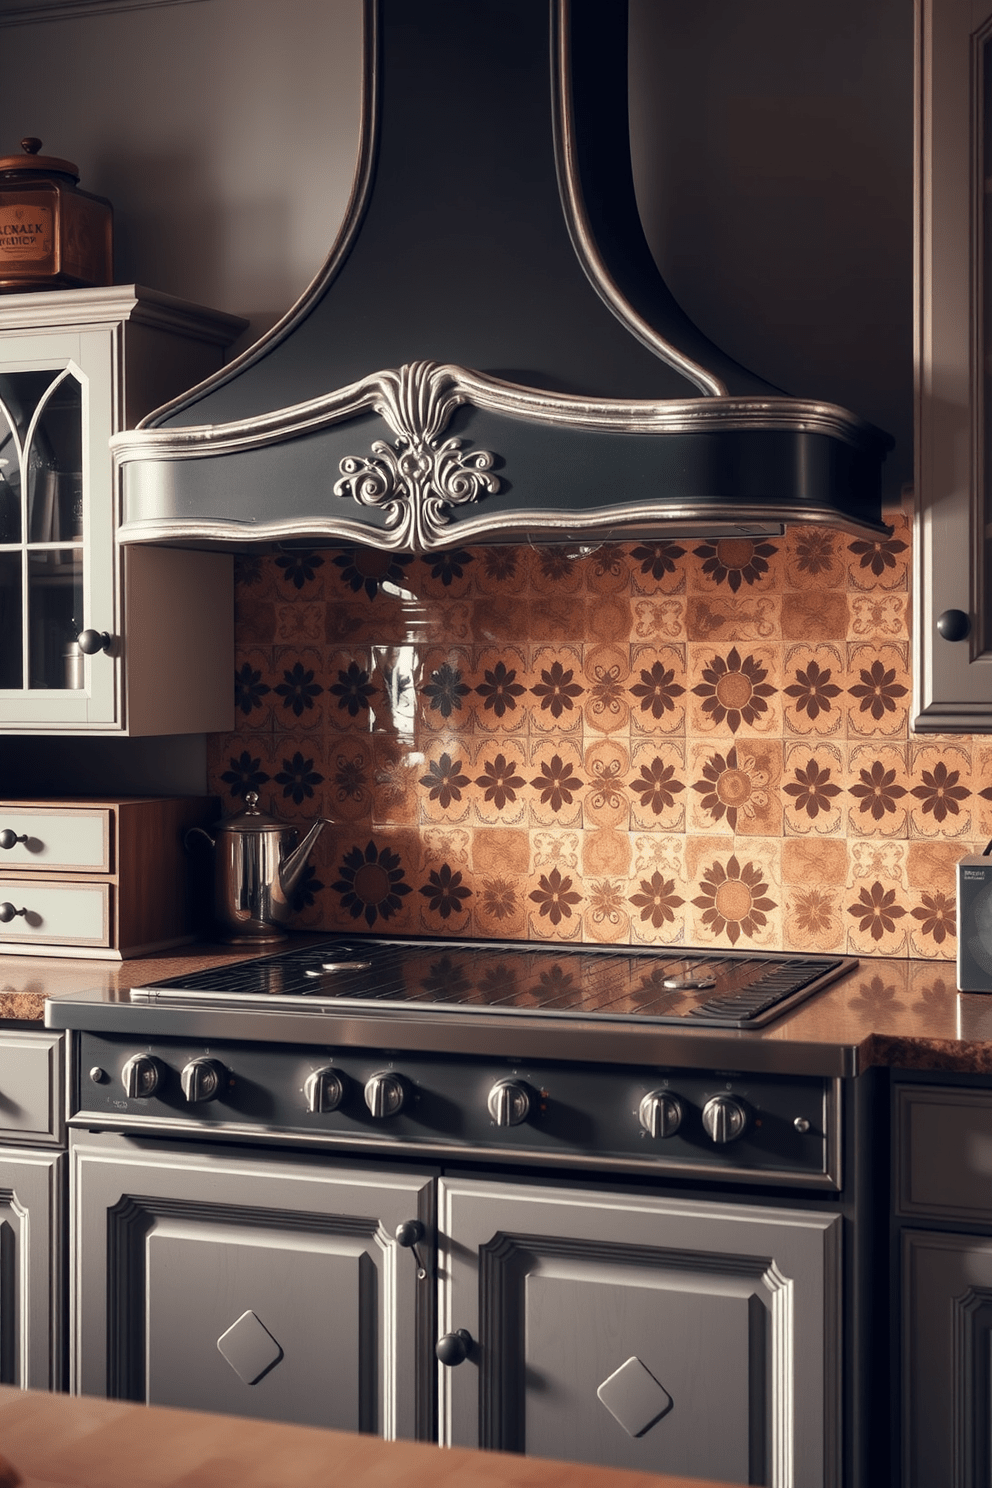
903,1013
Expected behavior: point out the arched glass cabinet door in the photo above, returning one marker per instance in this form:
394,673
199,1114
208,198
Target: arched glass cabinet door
42,529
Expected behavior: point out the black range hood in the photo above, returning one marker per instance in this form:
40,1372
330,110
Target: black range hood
489,352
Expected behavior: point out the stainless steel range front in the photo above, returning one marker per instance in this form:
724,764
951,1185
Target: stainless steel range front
526,1197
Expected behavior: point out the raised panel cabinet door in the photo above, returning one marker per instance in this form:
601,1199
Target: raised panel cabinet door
31,1261
681,1337
254,1285
947,1360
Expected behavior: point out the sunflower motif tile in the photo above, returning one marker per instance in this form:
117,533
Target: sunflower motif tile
500,774
940,790
658,567
371,884
557,783
811,615
606,669
555,689
657,789
499,693
814,696
656,690
877,791
733,690
365,575
813,783
734,565
607,800
735,787
879,691
815,558
736,897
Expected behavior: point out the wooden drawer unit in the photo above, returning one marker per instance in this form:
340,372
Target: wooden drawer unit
106,878
944,1153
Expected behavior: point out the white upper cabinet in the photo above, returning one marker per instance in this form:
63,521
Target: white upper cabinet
954,365
94,639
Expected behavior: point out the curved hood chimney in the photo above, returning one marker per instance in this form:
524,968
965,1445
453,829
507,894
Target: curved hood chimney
489,351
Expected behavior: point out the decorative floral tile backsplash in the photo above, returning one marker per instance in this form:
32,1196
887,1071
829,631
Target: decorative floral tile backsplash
699,743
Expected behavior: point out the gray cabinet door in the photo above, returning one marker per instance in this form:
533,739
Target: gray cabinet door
680,1337
31,1216
947,1360
248,1284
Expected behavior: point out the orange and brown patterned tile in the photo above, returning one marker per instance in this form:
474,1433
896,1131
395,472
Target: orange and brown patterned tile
255,619
736,787
555,619
981,785
879,691
881,563
445,901
606,917
875,912
555,689
500,619
348,689
931,876
657,789
736,897
298,624
444,575
350,772
611,619
499,700
658,568
813,789
883,617
500,864
500,774
608,570
733,690
607,800
607,677
657,621
444,692
397,795
734,565
555,570
720,618
814,701
557,784
813,918
877,790
362,576
446,788
301,572
371,884
810,616
825,862
603,853
656,691
255,575
500,571
254,699
940,790
814,558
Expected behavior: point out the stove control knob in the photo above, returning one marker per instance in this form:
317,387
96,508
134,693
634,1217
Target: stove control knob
724,1119
324,1090
660,1114
201,1080
385,1094
509,1102
140,1076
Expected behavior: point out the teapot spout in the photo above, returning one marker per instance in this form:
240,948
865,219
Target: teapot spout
292,865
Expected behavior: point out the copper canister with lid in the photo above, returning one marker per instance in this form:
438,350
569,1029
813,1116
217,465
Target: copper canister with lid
52,234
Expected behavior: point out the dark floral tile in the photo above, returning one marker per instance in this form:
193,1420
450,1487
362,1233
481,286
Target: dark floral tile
815,558
349,691
445,898
500,775
658,567
499,692
300,571
931,876
881,563
255,700
734,690
814,691
813,918
555,689
877,790
553,569
444,692
445,575
372,885
607,799
734,565
608,570
500,571
813,788
736,787
940,790
446,788
879,691
736,897
557,783
298,688
368,575
555,901
875,915
656,690
659,798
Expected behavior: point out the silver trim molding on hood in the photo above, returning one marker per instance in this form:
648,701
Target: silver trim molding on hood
439,454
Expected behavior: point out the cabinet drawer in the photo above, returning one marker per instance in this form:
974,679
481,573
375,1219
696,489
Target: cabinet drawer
56,914
30,1087
944,1153
60,840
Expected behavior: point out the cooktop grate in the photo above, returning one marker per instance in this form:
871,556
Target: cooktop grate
728,989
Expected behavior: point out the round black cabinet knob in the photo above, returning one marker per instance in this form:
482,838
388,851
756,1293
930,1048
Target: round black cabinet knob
453,1348
9,839
92,641
509,1102
140,1076
202,1080
324,1090
8,913
660,1113
724,1119
384,1094
953,625
409,1234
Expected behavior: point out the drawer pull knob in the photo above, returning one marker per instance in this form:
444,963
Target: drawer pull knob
92,641
9,839
454,1348
8,912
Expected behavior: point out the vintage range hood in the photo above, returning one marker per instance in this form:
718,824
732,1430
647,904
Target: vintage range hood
489,352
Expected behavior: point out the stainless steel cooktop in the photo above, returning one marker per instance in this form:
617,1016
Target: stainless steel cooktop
625,983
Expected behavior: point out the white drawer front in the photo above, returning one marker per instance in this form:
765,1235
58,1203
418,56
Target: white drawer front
30,1087
73,841
55,914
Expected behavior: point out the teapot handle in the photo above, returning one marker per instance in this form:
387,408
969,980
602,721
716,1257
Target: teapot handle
198,832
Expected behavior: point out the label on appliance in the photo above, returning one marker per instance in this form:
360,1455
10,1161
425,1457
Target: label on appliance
25,231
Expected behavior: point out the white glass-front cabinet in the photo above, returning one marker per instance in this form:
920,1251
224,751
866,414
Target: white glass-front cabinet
94,638
954,365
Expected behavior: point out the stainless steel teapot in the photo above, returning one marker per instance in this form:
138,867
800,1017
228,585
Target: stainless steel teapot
257,868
